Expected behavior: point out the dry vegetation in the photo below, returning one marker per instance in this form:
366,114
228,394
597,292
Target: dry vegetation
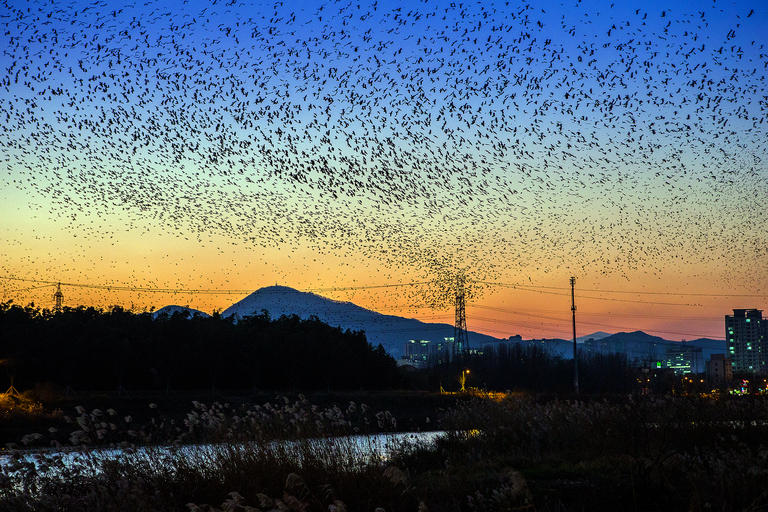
497,455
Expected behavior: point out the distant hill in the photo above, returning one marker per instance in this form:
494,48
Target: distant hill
393,331
643,339
595,336
554,346
173,309
388,330
634,337
564,348
639,345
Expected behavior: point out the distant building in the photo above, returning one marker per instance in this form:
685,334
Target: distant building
719,370
683,359
442,351
426,353
746,335
417,353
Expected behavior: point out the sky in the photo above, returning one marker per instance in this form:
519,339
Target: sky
337,146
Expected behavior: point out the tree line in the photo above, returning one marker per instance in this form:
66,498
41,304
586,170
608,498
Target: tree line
527,367
91,348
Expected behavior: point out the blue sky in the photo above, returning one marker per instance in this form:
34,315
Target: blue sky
620,142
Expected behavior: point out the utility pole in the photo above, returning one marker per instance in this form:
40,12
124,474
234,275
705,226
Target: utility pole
575,352
460,335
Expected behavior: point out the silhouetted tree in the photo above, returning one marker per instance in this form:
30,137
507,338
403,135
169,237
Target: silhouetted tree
90,348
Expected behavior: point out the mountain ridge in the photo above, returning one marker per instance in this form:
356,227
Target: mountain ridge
391,331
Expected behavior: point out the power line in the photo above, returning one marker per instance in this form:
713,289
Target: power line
522,287
598,324
17,290
530,325
203,291
590,297
46,284
633,292
603,314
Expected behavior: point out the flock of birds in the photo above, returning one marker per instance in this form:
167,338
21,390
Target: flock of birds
485,138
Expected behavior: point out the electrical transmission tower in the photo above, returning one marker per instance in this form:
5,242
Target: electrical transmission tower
58,297
460,336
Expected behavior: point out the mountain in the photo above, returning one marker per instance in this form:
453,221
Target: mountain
640,346
708,343
643,340
554,346
564,348
393,331
594,336
173,309
634,337
390,331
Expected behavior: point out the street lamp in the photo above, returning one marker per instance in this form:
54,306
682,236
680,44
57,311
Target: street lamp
463,378
11,391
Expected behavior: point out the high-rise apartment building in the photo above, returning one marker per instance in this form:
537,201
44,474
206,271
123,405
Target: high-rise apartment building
746,336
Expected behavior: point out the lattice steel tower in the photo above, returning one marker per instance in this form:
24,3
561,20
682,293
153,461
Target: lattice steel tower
460,336
58,296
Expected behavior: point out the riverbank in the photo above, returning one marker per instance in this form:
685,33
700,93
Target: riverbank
512,453
29,413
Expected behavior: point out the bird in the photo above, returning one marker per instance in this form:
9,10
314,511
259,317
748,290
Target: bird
481,140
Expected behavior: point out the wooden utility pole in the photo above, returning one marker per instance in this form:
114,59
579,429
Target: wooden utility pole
575,351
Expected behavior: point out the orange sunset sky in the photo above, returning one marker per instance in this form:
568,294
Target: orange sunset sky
622,148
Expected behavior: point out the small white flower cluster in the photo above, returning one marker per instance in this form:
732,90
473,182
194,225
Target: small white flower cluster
279,419
31,438
96,427
386,421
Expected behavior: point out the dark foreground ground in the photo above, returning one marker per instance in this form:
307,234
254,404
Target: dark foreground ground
500,453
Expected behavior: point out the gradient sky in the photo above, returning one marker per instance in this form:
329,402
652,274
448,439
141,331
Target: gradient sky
520,144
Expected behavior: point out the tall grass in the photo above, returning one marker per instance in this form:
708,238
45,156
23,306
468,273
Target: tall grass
514,454
282,455
641,454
